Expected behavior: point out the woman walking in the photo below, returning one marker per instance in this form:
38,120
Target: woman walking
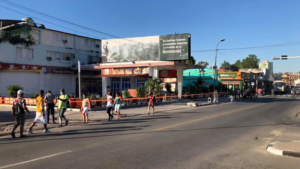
117,104
109,105
151,103
85,108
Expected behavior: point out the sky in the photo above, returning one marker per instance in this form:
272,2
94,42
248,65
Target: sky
247,23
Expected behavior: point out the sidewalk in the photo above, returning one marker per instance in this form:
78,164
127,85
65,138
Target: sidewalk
285,148
7,122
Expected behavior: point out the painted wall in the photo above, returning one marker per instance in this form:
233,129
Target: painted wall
193,75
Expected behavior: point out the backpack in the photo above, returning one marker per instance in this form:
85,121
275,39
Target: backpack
154,99
18,109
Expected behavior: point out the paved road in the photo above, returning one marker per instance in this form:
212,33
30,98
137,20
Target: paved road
225,136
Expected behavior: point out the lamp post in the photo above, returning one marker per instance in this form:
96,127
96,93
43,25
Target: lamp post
222,40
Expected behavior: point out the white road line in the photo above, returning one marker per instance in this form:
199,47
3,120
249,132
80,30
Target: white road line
7,166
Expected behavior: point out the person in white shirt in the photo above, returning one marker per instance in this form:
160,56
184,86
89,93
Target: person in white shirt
109,106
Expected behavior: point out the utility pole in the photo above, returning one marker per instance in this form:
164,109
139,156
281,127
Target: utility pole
79,79
222,40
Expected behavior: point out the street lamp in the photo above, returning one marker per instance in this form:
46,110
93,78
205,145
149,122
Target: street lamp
222,40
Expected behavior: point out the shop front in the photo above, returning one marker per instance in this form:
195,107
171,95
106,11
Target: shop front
231,81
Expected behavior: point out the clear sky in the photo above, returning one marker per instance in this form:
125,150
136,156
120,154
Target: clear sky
243,23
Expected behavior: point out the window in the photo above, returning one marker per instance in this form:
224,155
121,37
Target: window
54,55
93,59
89,43
25,53
59,37
68,56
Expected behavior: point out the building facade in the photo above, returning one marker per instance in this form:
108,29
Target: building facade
50,63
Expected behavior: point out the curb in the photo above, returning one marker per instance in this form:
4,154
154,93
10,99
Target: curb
276,151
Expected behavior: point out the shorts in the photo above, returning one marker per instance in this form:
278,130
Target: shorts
85,110
39,118
20,119
117,107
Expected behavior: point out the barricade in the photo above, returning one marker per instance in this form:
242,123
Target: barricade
76,103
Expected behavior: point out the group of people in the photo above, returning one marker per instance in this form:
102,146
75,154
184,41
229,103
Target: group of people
43,114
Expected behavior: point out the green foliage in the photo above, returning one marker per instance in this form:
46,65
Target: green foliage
202,63
125,94
153,86
92,96
250,62
13,89
34,95
168,87
17,36
140,91
190,61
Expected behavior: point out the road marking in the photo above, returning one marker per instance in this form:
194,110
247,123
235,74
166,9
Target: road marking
7,166
205,118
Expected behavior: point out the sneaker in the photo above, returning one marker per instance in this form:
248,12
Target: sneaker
47,131
60,125
67,122
29,131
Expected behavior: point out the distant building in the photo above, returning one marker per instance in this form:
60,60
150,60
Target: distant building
291,79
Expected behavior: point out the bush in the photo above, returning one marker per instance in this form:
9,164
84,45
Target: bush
153,86
13,89
140,91
34,95
125,94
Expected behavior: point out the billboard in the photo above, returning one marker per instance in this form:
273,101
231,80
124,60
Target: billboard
167,47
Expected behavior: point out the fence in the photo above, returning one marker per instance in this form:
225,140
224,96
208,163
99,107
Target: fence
76,103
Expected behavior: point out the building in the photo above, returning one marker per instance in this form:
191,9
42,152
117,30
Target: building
291,79
39,58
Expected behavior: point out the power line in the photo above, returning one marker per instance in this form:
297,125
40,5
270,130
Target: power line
61,20
253,47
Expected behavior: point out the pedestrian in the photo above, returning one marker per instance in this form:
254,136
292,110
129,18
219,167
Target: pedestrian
41,114
18,112
109,105
238,93
117,104
216,97
62,107
151,103
242,94
49,98
231,97
85,108
234,93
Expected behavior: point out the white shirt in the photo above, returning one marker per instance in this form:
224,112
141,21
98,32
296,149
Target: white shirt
109,101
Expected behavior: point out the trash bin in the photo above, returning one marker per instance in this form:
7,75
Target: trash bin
209,100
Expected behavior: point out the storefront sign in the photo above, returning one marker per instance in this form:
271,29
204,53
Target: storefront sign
231,82
60,71
169,80
227,75
126,71
168,73
19,67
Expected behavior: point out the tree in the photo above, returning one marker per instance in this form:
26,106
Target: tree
225,65
238,64
140,91
202,63
190,61
250,62
13,89
153,86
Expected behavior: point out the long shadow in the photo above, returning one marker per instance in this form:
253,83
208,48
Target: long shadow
9,140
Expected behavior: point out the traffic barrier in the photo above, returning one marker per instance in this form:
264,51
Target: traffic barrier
77,103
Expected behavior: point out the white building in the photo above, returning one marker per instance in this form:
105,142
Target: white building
49,64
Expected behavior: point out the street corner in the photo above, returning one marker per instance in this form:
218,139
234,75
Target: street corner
291,148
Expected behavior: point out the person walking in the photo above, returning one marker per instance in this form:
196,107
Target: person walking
18,112
238,93
216,97
151,103
85,108
242,94
49,98
117,104
62,107
40,116
109,105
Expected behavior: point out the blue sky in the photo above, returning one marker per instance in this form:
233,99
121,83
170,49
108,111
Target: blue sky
244,23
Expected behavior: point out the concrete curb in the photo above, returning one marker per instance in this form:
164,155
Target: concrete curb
276,151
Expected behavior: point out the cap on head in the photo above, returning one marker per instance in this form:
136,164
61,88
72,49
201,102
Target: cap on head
20,92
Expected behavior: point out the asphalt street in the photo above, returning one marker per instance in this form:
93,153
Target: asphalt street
231,135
